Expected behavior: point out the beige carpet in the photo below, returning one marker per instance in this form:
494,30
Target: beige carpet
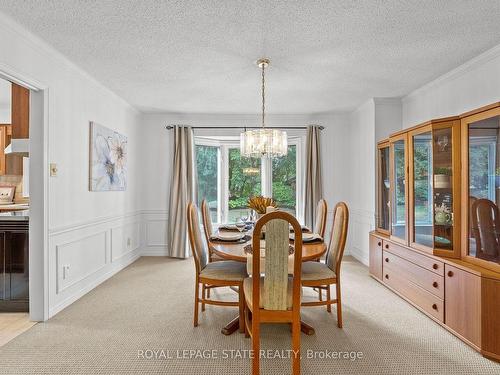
149,306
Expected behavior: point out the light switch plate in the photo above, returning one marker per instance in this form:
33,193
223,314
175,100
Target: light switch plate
53,170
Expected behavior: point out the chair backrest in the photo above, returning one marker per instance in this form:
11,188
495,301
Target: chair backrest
207,220
486,227
198,246
472,200
338,237
320,220
275,293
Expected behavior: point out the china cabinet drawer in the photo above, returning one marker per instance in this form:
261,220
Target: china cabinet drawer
428,280
428,302
415,257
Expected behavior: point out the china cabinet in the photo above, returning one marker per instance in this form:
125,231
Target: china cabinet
437,238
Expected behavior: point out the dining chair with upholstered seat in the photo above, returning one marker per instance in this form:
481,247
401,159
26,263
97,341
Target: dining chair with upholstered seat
271,295
323,275
217,274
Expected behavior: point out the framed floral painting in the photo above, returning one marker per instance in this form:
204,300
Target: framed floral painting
108,159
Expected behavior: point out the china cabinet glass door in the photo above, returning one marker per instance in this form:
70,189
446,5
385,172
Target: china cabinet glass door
383,195
399,191
422,189
483,189
443,195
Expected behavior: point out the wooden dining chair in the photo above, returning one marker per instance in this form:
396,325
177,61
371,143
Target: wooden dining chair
275,296
224,273
208,230
485,222
323,275
320,220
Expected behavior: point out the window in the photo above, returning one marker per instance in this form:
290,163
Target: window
285,180
207,165
482,157
227,181
244,178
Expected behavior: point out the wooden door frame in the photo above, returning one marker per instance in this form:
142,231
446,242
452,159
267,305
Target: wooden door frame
465,121
39,191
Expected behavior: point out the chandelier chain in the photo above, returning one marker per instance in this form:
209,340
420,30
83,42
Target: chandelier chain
263,95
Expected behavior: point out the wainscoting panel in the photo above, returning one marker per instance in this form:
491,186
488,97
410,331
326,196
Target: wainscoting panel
125,239
155,233
83,256
80,258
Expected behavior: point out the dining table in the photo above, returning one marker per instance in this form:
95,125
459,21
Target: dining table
235,251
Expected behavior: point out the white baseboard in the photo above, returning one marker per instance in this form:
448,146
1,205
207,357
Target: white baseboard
360,256
154,252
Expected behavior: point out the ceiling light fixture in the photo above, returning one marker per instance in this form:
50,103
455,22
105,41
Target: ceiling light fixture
263,142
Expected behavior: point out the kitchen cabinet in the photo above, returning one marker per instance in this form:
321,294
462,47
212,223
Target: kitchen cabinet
14,264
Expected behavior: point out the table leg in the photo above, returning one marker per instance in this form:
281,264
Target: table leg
306,328
234,324
231,327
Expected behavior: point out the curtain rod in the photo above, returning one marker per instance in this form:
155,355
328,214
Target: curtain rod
169,127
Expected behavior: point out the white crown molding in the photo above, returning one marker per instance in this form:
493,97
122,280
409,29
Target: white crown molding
457,72
53,54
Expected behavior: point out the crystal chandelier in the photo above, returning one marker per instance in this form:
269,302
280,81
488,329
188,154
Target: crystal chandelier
263,142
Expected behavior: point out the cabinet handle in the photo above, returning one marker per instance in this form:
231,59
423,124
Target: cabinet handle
450,273
435,284
434,306
379,244
387,260
435,266
387,276
386,245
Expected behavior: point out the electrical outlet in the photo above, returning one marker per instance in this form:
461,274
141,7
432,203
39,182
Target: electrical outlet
53,170
65,271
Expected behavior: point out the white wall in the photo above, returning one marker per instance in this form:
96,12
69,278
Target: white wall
471,85
158,160
87,230
372,121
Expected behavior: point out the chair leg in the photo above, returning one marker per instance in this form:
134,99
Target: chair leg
241,301
328,298
247,319
320,292
339,306
255,347
296,347
203,295
196,301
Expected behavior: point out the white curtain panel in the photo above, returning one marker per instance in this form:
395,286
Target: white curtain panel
314,180
182,191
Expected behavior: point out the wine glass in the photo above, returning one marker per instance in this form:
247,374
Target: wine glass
240,224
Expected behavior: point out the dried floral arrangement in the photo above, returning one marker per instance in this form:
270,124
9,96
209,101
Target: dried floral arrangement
260,203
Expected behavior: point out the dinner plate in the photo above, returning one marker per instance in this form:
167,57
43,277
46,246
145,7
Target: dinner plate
308,237
228,236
